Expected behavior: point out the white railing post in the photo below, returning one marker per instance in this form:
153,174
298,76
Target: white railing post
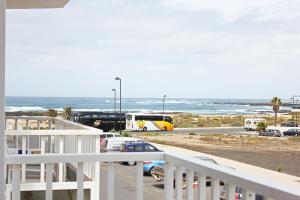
231,192
201,187
61,165
79,179
16,137
79,144
16,124
39,127
189,183
179,172
111,181
216,189
139,181
16,182
169,181
50,136
43,149
49,179
95,191
23,153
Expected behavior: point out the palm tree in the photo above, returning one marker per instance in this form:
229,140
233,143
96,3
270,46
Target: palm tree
67,113
276,103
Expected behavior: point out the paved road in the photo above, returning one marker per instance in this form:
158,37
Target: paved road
217,130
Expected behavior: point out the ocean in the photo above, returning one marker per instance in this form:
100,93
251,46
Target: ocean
196,106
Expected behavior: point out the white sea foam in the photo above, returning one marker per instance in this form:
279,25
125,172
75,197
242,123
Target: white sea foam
24,108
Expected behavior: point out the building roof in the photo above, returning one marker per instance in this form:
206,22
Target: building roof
27,4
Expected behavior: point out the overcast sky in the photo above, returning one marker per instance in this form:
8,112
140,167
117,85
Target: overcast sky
182,48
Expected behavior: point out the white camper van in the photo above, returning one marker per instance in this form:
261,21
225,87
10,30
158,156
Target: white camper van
251,123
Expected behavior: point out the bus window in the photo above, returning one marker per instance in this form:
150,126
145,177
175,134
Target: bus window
168,119
129,117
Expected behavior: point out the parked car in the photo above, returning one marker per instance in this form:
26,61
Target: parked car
250,124
149,166
289,124
137,147
292,132
114,144
270,132
159,171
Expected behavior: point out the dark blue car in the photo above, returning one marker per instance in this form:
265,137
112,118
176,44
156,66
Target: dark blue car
137,147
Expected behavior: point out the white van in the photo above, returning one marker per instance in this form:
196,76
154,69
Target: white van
114,144
251,123
103,136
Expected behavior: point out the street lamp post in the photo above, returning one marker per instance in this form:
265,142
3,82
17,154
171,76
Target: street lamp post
119,79
115,106
164,97
115,96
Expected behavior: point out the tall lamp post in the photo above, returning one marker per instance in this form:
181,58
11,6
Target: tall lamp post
115,106
164,98
293,116
115,96
119,79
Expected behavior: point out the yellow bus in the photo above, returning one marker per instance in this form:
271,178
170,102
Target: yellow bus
148,122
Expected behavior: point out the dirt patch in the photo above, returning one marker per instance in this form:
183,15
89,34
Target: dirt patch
278,154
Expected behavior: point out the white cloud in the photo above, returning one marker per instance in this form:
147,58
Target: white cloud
230,10
88,43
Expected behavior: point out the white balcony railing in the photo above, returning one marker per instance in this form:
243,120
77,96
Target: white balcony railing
79,150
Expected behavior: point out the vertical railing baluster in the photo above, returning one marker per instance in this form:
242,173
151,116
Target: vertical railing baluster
43,149
39,128
201,187
189,183
50,136
23,153
231,192
111,181
16,137
61,165
95,191
27,128
79,179
16,182
139,181
49,179
216,189
178,181
169,181
79,144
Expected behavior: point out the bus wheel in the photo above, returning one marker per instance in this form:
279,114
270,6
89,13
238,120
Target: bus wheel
145,129
166,129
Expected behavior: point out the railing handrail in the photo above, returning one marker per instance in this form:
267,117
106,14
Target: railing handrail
60,120
82,132
30,117
251,182
84,157
258,184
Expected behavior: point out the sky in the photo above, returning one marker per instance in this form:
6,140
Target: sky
181,48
